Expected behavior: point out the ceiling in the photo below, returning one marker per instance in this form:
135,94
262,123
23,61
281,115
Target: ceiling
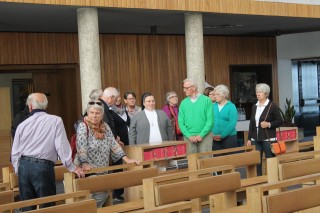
17,17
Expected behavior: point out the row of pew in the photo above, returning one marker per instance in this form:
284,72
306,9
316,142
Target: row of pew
212,180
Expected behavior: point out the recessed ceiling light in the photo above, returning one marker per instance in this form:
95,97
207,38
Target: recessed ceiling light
223,26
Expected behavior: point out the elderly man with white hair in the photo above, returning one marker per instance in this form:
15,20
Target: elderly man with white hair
108,98
38,142
196,118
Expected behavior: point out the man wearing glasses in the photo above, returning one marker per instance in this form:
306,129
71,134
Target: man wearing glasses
196,118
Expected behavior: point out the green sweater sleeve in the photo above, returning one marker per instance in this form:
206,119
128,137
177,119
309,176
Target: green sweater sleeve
209,118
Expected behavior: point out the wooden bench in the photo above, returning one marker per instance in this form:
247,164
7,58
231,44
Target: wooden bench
248,158
182,191
263,198
86,206
306,146
282,196
10,177
108,182
293,165
71,197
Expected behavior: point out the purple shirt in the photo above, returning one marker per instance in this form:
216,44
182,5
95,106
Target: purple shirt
168,112
42,136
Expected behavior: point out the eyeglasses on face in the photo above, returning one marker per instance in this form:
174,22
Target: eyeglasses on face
186,88
130,99
95,102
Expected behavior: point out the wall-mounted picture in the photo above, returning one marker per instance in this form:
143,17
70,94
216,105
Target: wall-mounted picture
244,87
244,78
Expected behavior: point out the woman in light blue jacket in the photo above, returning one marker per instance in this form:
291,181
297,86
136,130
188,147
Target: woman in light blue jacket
225,120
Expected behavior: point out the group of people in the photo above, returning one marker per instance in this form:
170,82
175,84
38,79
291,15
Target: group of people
205,121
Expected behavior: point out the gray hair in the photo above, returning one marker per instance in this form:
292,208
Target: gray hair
169,95
222,89
110,91
95,94
264,88
95,106
37,101
191,81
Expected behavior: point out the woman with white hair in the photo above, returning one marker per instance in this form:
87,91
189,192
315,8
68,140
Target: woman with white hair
225,120
265,118
96,143
172,110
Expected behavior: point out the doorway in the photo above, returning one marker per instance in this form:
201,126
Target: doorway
61,84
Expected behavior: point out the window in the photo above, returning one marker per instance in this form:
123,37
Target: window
306,77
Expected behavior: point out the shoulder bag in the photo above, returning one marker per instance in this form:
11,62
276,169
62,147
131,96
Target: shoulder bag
278,147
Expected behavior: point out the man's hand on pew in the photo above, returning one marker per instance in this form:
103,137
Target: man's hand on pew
79,172
128,160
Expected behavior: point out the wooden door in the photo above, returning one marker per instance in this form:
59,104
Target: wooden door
60,86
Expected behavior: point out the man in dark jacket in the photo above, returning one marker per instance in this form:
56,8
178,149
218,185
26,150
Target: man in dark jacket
18,119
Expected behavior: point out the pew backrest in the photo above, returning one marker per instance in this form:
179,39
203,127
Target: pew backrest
86,206
72,197
293,200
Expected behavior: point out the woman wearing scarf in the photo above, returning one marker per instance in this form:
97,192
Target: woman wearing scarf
172,110
96,143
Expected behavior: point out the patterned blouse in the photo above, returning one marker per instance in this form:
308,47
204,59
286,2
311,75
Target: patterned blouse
94,151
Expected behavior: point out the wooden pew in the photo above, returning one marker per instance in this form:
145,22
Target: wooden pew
107,182
86,206
6,195
10,177
249,158
282,196
182,191
293,165
262,198
306,146
72,197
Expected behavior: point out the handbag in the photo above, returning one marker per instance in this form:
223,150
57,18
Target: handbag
177,129
278,147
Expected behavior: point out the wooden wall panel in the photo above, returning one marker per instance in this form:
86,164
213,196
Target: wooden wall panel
249,7
157,63
5,109
38,48
141,62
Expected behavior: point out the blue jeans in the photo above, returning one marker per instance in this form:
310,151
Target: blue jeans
263,147
36,179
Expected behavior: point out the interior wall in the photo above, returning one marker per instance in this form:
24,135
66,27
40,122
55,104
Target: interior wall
6,81
140,62
157,63
294,46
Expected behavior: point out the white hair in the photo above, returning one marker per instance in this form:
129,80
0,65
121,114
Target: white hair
95,94
37,101
222,89
110,91
95,106
264,88
191,81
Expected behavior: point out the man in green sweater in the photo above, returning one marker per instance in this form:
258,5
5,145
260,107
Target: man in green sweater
196,118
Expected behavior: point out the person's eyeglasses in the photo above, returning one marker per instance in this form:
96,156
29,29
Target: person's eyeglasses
186,88
95,102
174,96
130,99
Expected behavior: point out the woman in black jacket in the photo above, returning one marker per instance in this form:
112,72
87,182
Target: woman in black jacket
265,118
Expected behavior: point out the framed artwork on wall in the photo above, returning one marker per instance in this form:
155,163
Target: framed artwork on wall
243,80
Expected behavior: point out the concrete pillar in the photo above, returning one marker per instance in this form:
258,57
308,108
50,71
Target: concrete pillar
194,48
89,52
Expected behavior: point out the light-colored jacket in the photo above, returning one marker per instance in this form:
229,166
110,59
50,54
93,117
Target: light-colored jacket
139,132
